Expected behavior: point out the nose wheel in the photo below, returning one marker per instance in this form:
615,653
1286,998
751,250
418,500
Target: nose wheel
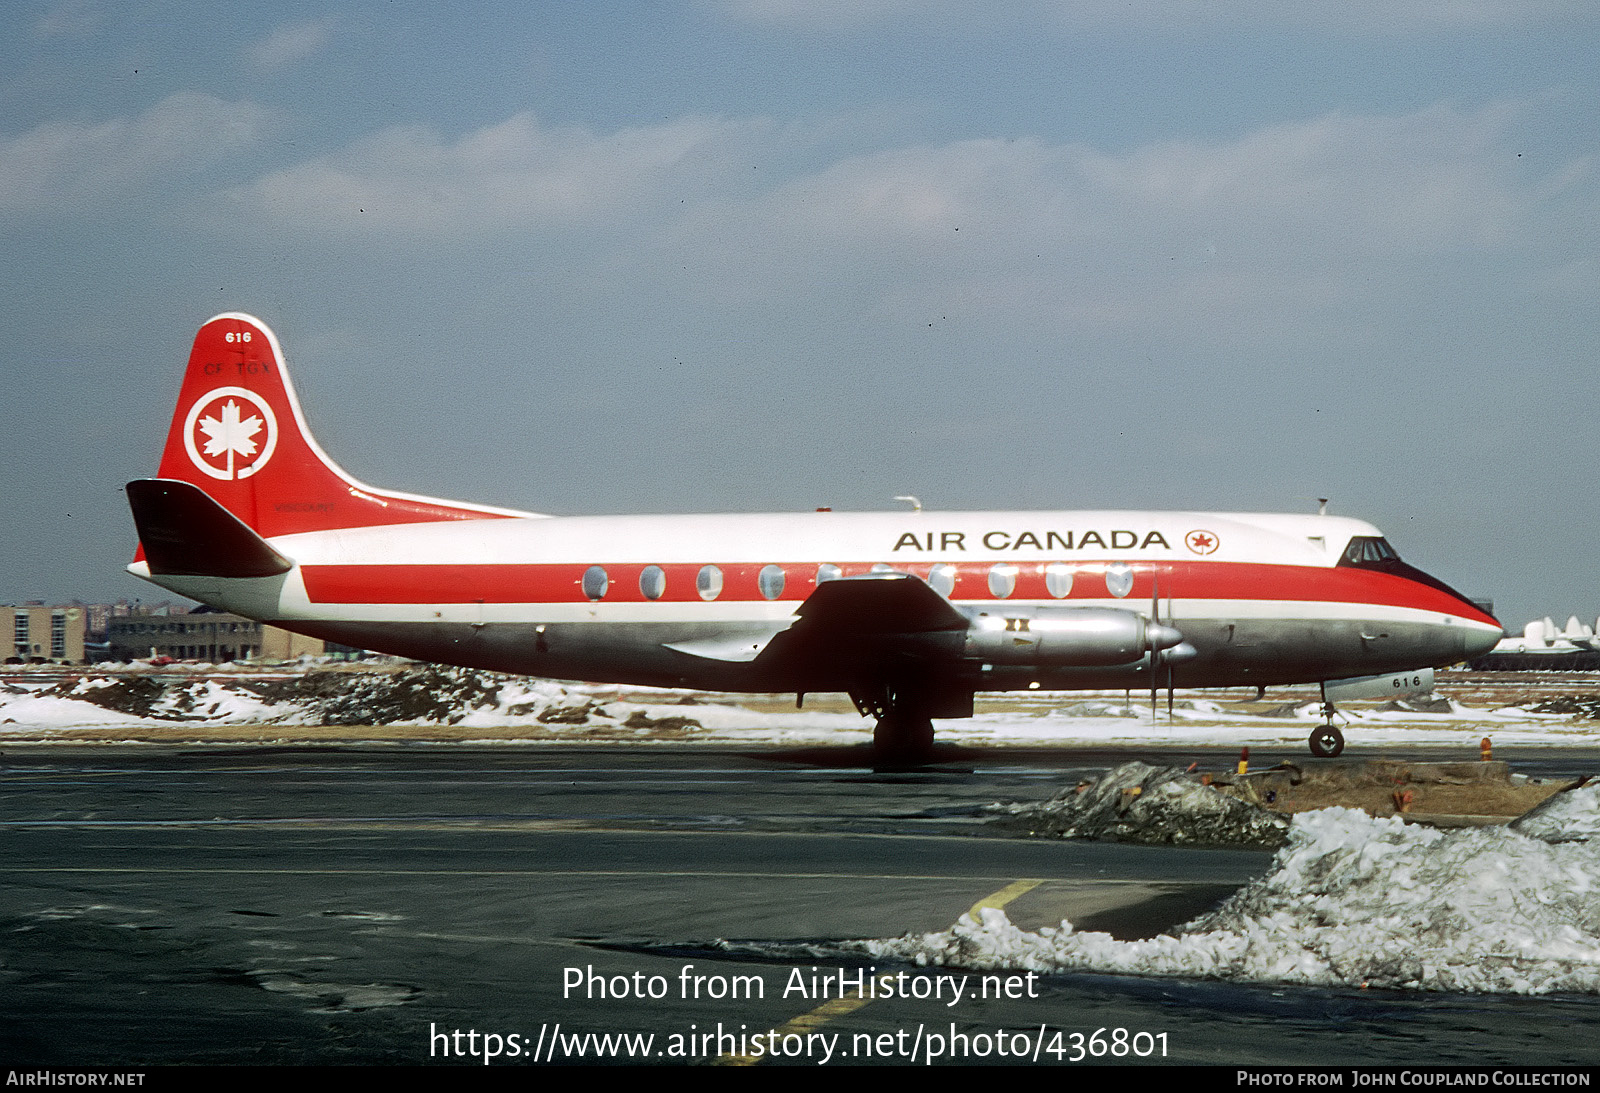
1327,742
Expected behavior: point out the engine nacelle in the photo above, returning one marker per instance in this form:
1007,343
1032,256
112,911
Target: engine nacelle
1064,637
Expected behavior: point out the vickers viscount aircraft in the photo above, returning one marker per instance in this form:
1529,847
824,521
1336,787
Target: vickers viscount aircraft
910,613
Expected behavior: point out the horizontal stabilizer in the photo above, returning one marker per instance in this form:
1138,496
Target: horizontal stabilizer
878,603
185,533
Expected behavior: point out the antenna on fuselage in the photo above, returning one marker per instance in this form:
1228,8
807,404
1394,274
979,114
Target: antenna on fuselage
916,505
1322,506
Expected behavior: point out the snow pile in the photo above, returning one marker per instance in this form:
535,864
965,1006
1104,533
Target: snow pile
1570,817
1575,706
1419,707
1098,708
420,696
1137,802
1423,703
1296,711
1353,901
425,695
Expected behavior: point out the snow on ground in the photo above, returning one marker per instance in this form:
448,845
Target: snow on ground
1350,901
1198,721
55,704
1354,901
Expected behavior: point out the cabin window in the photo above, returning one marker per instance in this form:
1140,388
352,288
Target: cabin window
652,582
882,567
1002,580
1119,579
708,582
595,582
942,578
770,582
827,571
1058,579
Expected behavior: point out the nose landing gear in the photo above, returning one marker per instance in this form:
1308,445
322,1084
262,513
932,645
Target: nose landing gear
1327,742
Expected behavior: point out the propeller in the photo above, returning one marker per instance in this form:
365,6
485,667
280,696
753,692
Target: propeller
1167,646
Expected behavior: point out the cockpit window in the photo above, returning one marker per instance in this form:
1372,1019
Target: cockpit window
1368,550
1373,553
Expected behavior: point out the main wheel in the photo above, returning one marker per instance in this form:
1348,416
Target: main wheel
902,740
1327,742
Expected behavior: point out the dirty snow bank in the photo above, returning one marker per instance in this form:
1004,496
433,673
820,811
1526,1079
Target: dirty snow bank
1356,901
416,696
1137,802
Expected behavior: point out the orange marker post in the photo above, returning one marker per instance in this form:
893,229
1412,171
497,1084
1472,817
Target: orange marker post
1244,760
1487,749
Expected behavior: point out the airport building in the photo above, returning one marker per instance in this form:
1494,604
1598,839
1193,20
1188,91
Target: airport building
1545,647
42,633
204,634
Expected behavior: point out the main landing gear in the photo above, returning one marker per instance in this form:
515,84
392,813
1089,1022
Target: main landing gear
1326,741
903,736
902,739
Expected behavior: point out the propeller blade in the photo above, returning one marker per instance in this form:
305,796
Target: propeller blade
1155,654
1169,660
1169,675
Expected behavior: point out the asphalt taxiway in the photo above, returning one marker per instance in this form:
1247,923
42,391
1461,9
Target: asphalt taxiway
353,904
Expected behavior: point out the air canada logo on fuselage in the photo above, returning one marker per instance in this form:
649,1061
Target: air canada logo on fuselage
1115,539
230,433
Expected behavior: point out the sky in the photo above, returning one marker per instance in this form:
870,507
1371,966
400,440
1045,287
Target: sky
766,255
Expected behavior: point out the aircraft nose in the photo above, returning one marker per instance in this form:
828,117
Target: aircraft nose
1480,639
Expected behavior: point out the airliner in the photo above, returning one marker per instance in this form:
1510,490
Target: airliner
910,613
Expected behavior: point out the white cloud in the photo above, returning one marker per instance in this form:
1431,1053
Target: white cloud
67,18
1433,179
60,164
823,14
1424,182
1285,225
292,42
1358,17
517,174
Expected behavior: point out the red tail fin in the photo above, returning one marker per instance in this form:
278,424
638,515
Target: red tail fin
238,434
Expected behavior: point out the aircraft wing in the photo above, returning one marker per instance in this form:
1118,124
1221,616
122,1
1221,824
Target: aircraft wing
838,616
876,603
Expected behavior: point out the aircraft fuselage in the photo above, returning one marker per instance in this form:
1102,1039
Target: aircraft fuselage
1266,603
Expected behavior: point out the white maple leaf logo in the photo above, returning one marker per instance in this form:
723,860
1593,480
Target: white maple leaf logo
230,435
237,425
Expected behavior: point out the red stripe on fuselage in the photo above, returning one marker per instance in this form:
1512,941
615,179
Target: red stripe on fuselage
562,583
